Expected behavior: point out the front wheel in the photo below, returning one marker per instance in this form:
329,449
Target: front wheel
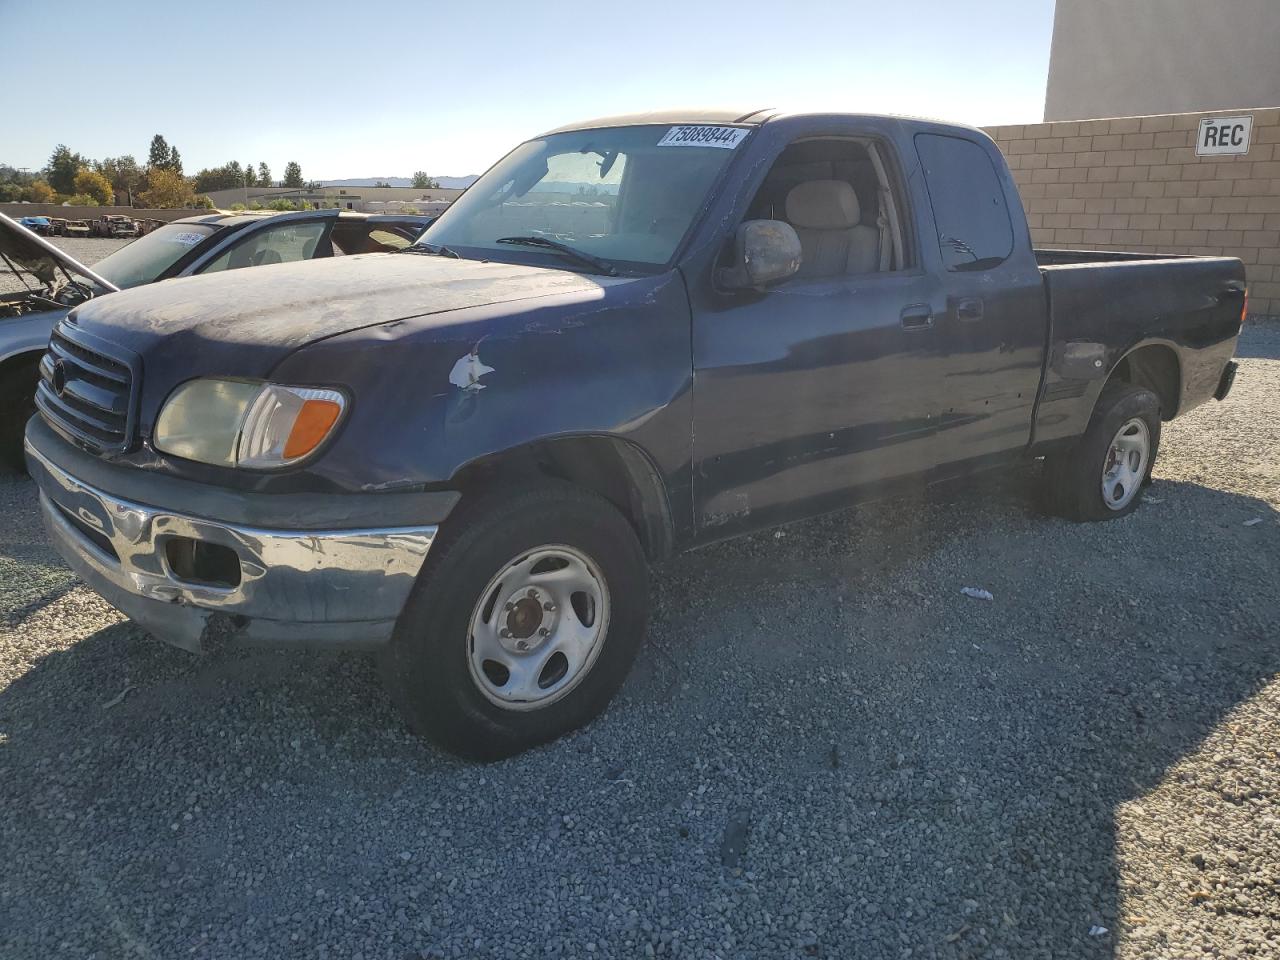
523,623
1102,476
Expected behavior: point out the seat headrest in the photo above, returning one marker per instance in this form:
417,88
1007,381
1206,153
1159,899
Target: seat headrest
823,205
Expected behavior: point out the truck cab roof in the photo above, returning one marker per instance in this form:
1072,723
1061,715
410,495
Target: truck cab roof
739,117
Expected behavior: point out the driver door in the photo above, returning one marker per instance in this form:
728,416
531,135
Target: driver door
815,389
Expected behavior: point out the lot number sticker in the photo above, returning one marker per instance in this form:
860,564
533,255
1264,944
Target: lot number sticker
1223,135
724,137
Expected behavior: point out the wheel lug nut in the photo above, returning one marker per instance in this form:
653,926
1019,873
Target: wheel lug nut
544,632
549,606
521,645
509,607
533,594
505,633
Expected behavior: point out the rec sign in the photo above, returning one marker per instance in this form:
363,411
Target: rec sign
1223,135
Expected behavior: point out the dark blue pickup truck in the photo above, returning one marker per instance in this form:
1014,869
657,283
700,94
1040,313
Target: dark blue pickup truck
630,337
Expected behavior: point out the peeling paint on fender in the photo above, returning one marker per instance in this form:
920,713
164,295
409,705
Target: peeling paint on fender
466,373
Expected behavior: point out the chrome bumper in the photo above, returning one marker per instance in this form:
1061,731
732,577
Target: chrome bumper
328,587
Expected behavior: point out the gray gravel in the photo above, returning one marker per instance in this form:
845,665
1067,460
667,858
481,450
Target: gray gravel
88,251
824,751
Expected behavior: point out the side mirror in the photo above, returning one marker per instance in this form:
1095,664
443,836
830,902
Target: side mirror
764,252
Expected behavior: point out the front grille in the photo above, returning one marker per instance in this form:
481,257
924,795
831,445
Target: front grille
86,390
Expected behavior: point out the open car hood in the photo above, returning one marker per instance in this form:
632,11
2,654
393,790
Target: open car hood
42,259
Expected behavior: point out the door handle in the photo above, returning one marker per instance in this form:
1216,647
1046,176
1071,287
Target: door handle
918,316
969,309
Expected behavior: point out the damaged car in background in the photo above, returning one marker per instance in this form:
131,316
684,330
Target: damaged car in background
463,456
208,243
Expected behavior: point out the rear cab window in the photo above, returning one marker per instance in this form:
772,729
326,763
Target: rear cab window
969,208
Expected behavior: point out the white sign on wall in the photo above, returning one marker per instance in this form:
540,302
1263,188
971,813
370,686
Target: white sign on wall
1223,135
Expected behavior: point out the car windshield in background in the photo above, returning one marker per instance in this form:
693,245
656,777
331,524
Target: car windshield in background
148,257
627,195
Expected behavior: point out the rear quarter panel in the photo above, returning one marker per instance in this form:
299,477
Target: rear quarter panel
1102,312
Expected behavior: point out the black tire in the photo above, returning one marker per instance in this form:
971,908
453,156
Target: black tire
427,666
17,405
1073,479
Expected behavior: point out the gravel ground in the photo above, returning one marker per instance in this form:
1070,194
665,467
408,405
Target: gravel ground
824,751
88,251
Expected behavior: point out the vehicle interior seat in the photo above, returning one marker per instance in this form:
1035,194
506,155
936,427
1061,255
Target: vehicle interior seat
834,241
263,257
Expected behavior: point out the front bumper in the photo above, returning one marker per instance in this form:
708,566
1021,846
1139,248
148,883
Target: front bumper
331,587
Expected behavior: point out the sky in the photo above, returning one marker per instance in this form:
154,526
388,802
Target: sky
387,88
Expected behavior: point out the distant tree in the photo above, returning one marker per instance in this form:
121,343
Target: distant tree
93,184
39,192
292,174
229,176
159,155
124,173
250,178
203,202
264,175
423,182
167,189
10,174
381,183
175,161
63,167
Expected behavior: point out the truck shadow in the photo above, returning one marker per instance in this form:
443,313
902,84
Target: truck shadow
958,767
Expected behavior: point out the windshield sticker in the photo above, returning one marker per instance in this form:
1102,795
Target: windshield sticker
724,137
186,239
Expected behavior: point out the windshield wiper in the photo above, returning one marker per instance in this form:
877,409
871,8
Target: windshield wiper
603,266
436,250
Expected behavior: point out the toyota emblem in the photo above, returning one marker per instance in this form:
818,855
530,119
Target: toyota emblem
59,378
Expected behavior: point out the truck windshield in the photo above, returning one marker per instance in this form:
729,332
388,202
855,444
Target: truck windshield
147,257
626,195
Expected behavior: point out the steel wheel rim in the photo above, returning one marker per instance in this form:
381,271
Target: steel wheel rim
538,628
1125,465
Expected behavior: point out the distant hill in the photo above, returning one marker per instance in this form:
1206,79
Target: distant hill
446,183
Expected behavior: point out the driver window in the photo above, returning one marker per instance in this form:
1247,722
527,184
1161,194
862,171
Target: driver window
835,195
283,243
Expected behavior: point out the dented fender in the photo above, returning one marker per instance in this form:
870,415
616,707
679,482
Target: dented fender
609,357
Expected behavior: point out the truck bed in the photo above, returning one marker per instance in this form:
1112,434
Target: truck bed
1184,312
1058,258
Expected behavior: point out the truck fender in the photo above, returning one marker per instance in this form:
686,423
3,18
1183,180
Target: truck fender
617,469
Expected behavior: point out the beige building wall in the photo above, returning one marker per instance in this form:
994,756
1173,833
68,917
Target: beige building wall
1138,57
1135,183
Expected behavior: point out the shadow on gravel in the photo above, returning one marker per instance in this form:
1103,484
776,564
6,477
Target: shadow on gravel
917,769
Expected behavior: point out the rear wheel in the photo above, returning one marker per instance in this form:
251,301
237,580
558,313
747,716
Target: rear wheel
522,625
1102,476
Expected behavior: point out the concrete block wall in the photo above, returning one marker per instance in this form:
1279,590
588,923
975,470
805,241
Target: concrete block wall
1135,183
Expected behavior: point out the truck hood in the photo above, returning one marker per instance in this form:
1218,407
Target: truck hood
243,322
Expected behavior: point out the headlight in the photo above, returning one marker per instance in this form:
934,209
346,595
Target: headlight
236,423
